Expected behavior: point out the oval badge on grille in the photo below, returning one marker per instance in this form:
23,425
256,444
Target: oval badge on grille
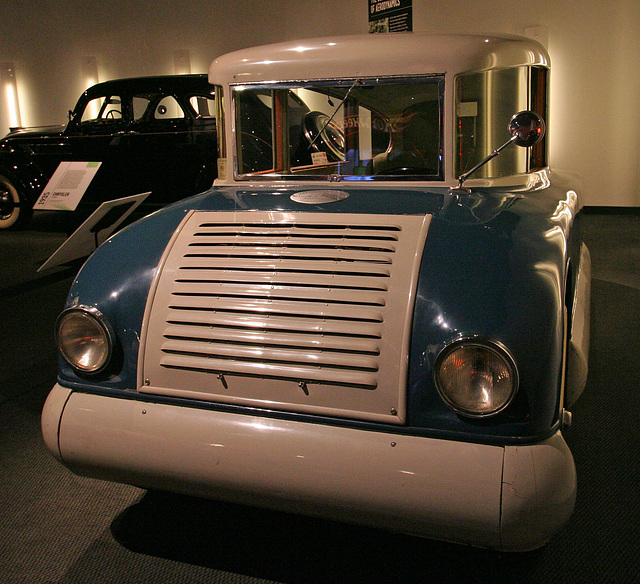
318,197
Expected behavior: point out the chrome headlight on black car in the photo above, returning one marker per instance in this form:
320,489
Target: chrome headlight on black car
476,378
85,339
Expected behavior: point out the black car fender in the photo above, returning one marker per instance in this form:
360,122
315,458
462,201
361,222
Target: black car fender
27,177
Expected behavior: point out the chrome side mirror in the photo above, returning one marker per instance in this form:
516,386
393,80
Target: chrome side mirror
526,129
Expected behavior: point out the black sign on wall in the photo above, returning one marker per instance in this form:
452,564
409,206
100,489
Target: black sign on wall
390,15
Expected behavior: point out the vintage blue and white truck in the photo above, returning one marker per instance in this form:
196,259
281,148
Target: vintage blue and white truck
379,313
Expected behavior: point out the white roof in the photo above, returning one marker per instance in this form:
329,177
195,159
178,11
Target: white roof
374,54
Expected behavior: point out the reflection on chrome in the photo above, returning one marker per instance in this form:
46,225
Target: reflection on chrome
566,209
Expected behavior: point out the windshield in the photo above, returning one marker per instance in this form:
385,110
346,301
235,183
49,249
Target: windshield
347,129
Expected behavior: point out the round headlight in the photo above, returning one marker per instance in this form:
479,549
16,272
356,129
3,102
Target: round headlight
476,378
84,338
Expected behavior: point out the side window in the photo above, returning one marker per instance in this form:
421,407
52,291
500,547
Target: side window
168,108
150,107
140,106
254,110
485,103
108,107
203,105
539,104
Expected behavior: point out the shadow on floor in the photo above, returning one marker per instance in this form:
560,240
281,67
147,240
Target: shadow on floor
293,549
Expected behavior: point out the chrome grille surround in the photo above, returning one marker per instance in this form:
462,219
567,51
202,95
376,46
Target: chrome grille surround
299,312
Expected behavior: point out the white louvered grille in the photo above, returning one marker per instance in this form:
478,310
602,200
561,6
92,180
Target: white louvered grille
299,312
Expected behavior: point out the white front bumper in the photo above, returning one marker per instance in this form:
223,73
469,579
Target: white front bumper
511,498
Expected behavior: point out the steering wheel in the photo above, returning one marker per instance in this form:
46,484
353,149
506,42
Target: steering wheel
324,135
112,114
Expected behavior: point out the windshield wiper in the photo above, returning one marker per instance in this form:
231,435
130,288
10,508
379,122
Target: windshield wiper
333,115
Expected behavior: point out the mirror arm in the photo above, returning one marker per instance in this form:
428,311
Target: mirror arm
526,129
480,164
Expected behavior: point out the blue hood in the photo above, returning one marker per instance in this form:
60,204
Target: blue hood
493,266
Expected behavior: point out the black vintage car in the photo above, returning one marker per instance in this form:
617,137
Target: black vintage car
153,134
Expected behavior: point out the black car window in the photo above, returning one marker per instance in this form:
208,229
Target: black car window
108,107
168,108
140,106
203,105
150,107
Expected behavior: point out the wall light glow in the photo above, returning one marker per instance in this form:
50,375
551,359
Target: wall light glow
182,62
10,91
89,71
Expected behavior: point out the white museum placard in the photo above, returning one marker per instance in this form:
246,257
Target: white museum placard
67,186
94,231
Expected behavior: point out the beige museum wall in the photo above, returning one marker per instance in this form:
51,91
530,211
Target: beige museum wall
594,47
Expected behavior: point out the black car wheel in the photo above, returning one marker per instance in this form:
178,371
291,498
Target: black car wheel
12,212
